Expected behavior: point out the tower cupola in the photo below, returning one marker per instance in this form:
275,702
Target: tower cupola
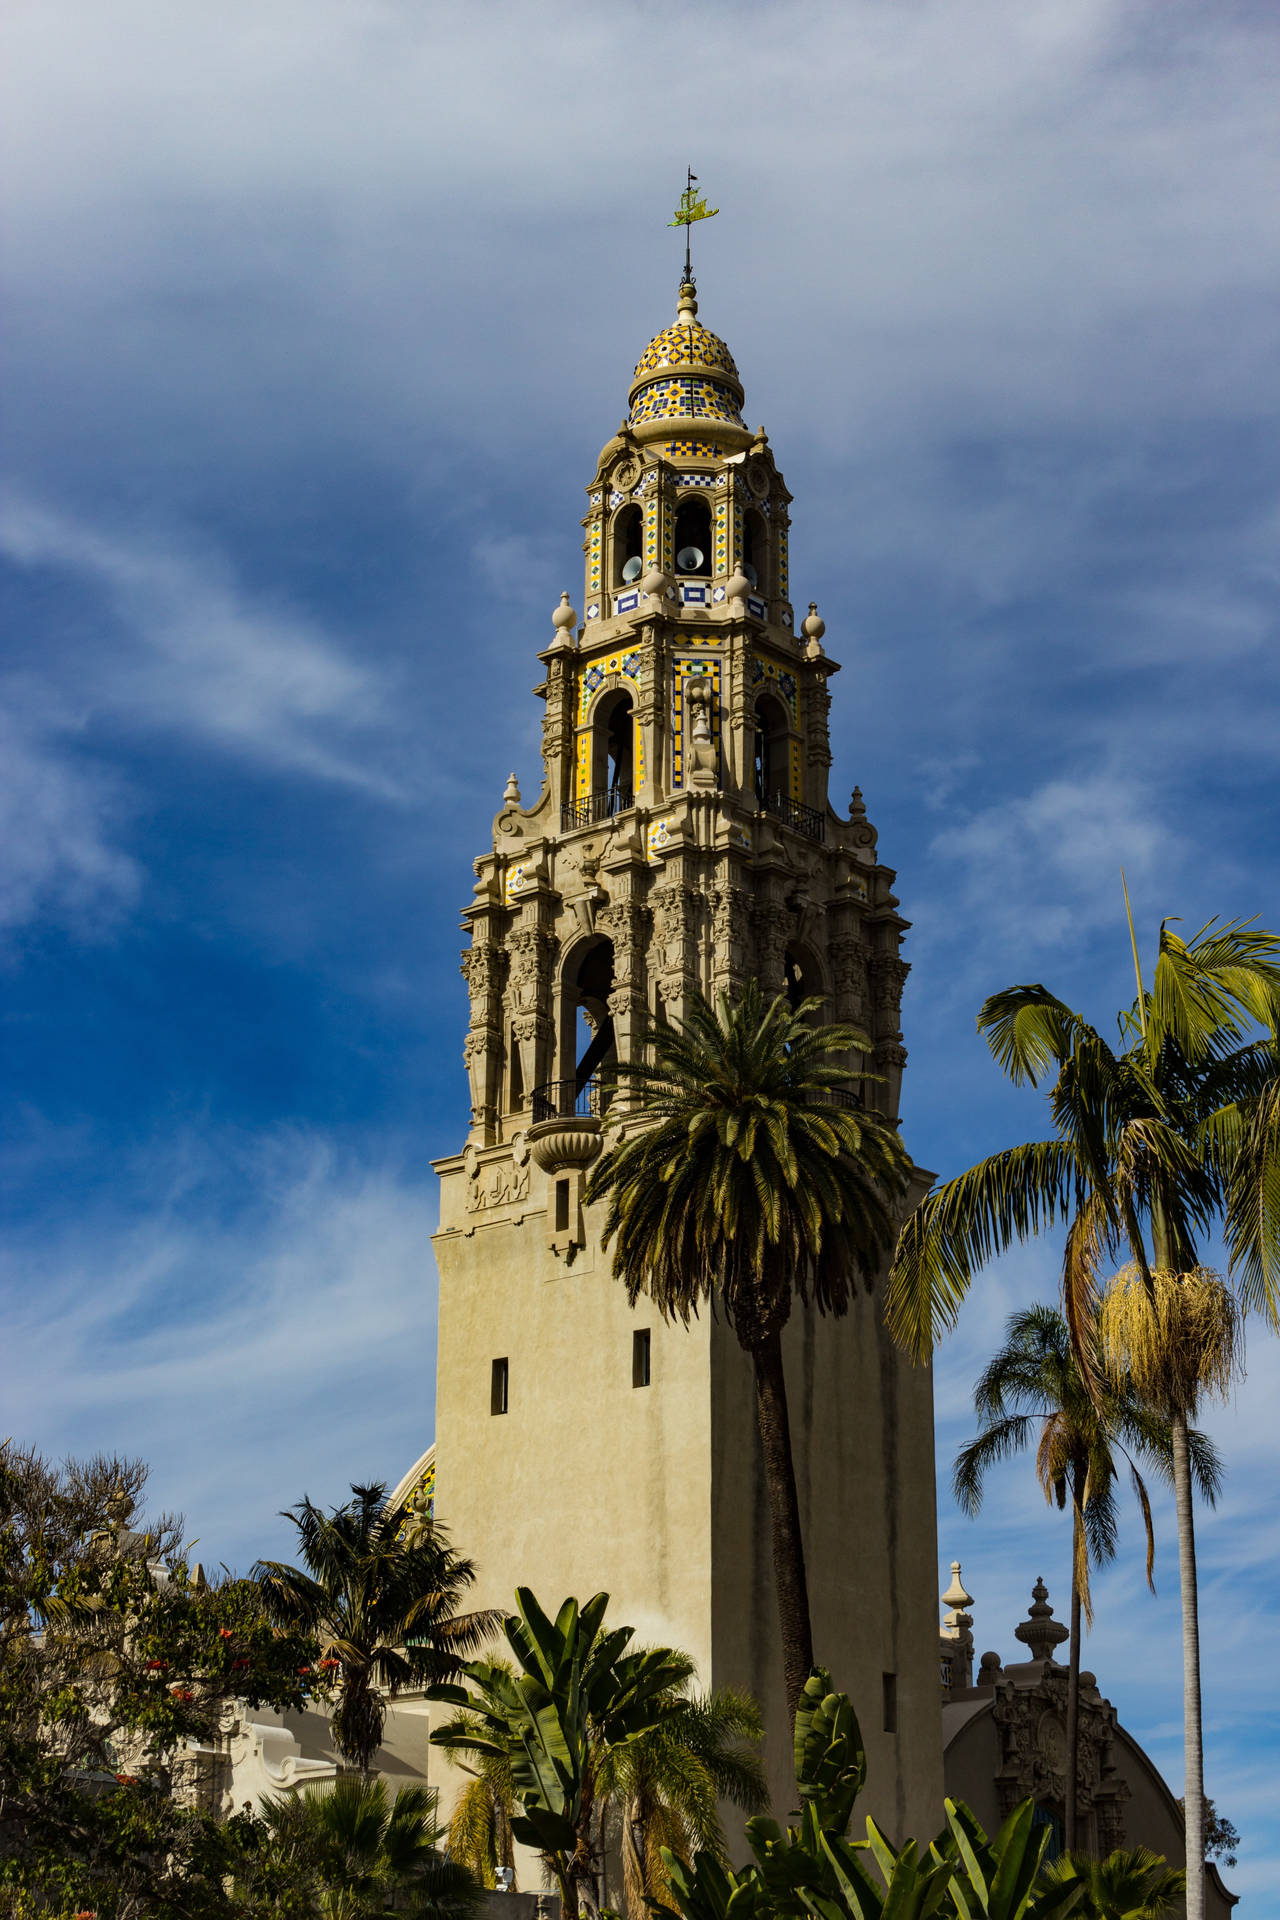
686,380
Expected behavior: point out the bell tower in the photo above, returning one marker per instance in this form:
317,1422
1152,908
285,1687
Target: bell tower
682,839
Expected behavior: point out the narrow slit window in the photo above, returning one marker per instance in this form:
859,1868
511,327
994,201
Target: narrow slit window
890,1702
498,1384
641,1358
562,1206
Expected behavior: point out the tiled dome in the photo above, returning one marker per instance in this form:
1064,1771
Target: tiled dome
686,373
685,347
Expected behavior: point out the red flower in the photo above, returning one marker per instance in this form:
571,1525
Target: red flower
182,1693
325,1664
224,1633
240,1663
127,1779
304,1669
156,1666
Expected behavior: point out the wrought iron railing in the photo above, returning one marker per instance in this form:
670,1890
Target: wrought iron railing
792,813
566,1100
594,807
842,1097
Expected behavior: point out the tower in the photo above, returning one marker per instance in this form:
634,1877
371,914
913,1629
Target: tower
683,839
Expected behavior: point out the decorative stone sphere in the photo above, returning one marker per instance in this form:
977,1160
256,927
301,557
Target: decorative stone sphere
655,583
813,625
737,586
564,618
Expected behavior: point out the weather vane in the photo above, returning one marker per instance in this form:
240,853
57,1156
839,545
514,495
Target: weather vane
692,207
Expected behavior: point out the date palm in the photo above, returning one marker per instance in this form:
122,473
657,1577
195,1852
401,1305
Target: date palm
386,1610
1034,1381
1154,1141
751,1181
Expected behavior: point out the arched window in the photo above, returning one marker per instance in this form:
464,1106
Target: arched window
613,756
755,549
628,546
770,771
586,1030
693,537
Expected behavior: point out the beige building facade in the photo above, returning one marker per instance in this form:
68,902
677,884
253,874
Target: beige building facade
682,840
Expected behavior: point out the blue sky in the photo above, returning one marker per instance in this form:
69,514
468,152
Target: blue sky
316,318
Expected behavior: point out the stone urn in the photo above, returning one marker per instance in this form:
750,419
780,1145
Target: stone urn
563,1144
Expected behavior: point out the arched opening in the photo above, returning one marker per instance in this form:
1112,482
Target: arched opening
770,772
628,546
693,538
755,549
613,735
587,1042
803,979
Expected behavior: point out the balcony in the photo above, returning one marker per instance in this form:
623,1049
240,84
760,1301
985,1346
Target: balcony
566,1100
597,806
801,819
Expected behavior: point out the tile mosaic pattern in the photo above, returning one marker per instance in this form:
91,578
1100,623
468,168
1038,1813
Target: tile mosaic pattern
595,536
681,671
764,669
590,680
651,530
686,398
783,577
684,346
690,449
724,512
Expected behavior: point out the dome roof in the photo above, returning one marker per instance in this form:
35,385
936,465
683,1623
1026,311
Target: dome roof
685,346
686,373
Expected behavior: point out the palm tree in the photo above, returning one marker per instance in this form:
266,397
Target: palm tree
1153,1142
386,1612
753,1179
1034,1378
1131,1884
359,1854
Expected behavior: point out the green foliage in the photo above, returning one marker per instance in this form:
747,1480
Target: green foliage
574,1693
1034,1381
750,1180
134,1656
384,1610
1153,1140
814,1872
352,1852
1131,1884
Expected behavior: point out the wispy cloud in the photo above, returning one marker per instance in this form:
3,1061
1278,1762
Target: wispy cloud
61,812
195,654
257,1321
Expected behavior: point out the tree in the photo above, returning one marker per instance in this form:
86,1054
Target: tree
752,1180
1221,1837
352,1852
665,1786
133,1655
1131,1884
384,1610
574,1695
1153,1142
1034,1378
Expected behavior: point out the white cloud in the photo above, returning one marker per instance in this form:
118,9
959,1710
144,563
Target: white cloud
1043,870
59,815
259,1324
200,656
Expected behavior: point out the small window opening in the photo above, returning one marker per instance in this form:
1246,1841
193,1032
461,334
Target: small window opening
515,1075
693,537
562,1206
628,547
753,547
640,1358
769,769
498,1381
619,746
890,1702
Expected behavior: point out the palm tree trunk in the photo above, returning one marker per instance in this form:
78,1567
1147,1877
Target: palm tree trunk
1073,1686
1193,1791
784,1513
